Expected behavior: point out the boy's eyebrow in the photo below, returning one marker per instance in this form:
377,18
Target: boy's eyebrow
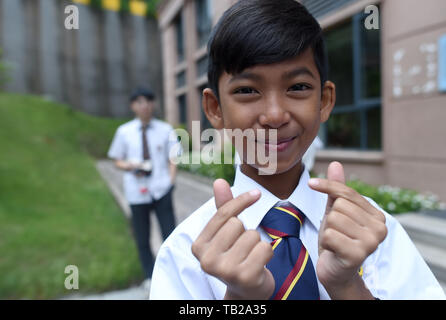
288,75
297,72
245,75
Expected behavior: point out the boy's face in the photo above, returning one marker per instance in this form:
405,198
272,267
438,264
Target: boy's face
285,96
143,108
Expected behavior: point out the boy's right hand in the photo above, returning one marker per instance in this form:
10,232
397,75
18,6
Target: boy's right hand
232,254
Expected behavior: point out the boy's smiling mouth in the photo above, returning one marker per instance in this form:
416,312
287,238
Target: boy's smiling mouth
280,145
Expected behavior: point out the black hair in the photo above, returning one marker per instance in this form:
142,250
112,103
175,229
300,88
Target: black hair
142,92
254,32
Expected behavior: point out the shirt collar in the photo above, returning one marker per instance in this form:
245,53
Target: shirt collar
140,124
309,201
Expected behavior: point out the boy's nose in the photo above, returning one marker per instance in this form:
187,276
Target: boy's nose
274,115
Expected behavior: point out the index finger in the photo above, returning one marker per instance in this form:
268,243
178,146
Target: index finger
222,192
230,209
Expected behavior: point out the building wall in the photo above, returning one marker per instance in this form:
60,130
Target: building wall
93,69
413,151
169,10
415,113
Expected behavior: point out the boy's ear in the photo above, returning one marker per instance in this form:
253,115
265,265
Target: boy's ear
212,109
328,100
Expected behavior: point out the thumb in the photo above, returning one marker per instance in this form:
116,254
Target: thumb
222,192
335,172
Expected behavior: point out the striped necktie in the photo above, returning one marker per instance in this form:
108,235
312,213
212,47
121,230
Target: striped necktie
291,264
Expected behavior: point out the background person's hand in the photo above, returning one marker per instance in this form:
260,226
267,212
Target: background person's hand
350,231
232,254
127,165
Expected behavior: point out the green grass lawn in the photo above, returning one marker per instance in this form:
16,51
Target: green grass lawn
54,208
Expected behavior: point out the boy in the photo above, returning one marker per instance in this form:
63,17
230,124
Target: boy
141,148
283,235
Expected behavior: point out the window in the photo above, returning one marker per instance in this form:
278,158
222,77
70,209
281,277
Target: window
179,30
181,79
202,66
182,106
204,21
319,8
354,66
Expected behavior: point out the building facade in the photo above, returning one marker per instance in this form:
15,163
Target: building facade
93,68
388,123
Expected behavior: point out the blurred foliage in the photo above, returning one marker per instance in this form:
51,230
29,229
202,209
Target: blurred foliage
151,7
96,4
125,6
4,72
395,199
392,199
209,167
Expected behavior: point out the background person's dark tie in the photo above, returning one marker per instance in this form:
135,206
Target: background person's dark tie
291,264
145,146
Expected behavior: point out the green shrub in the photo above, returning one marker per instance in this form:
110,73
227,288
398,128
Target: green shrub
392,199
395,199
212,170
151,7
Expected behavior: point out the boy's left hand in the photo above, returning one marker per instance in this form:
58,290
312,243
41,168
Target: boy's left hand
350,231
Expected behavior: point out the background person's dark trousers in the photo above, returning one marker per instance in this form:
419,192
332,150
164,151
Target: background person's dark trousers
141,227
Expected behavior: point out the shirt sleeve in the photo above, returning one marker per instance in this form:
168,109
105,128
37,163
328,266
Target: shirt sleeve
117,149
396,270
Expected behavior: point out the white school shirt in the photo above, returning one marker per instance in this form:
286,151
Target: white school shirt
127,145
395,270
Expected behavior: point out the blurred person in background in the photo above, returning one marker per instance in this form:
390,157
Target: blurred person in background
141,147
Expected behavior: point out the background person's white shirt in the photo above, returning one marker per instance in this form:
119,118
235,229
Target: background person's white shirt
310,155
395,270
127,145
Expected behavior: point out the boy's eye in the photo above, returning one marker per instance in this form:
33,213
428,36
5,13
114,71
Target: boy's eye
299,87
245,90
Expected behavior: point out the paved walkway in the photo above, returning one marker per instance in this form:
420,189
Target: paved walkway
189,194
